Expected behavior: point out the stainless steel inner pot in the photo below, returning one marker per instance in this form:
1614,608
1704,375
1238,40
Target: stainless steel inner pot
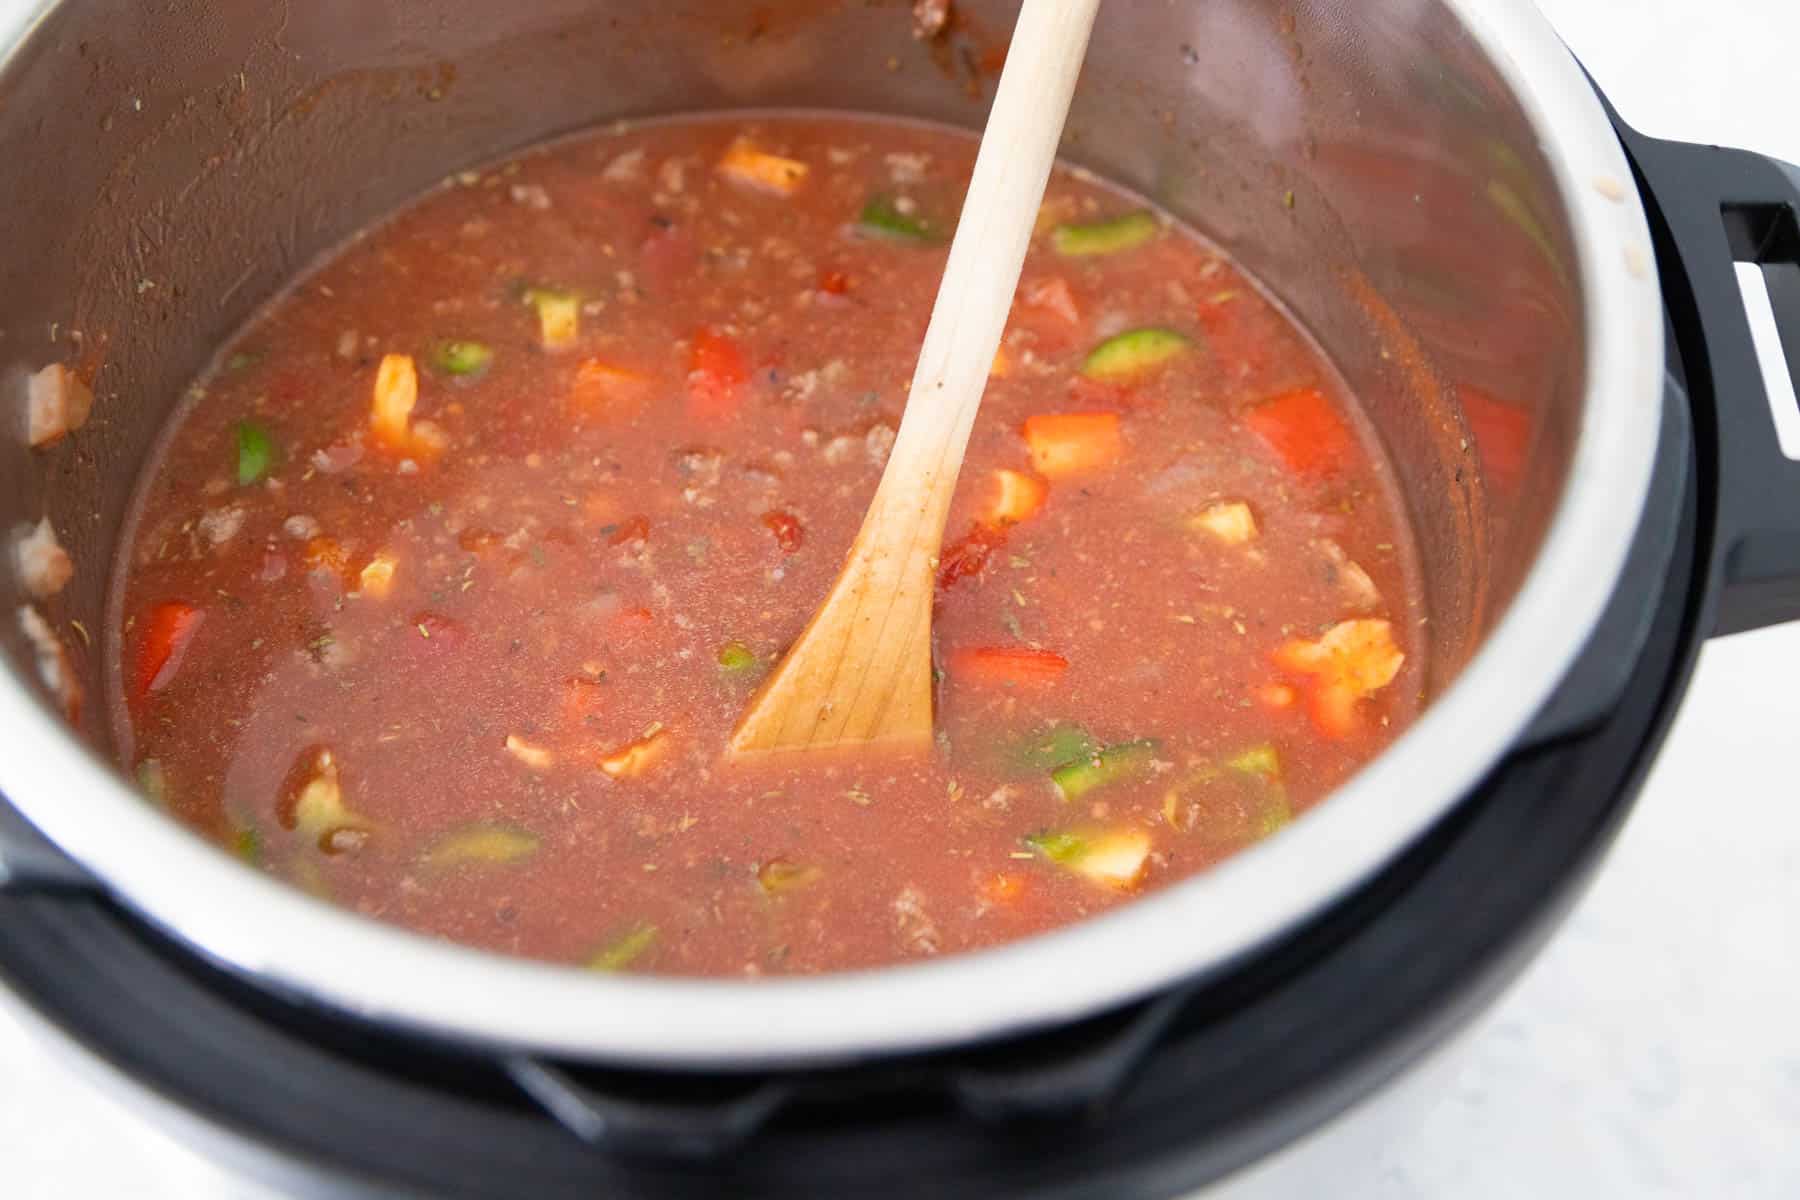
1430,185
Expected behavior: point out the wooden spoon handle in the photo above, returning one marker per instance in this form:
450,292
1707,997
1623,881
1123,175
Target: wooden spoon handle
1012,167
861,670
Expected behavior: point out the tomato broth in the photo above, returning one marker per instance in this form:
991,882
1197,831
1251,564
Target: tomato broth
458,565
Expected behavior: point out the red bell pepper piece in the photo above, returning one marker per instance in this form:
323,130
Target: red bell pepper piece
1073,443
1006,665
1304,431
168,631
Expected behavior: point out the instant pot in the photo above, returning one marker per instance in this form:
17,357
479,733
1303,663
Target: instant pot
1538,307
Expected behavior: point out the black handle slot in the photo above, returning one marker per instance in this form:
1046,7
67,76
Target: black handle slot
1710,209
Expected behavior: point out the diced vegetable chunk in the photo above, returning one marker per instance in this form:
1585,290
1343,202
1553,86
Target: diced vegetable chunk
1352,661
738,660
462,358
1134,352
1353,584
1105,237
789,533
1261,760
168,631
634,529
530,753
390,414
396,392
1017,497
1231,807
1276,697
480,845
623,950
54,667
880,218
1232,523
377,579
247,844
634,758
744,163
1006,665
1304,432
559,316
968,556
1064,444
1055,747
45,568
1115,858
778,875
317,809
153,782
326,556
717,371
255,452
602,387
1124,761
1052,295
57,403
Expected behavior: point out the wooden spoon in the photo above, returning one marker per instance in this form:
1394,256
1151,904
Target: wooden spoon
861,670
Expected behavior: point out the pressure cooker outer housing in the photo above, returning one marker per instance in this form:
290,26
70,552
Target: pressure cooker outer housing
1428,185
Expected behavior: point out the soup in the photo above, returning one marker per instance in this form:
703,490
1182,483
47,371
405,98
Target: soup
450,579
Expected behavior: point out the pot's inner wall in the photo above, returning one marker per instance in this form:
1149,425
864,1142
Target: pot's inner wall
175,164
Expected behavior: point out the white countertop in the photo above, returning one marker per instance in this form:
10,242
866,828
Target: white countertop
1652,1051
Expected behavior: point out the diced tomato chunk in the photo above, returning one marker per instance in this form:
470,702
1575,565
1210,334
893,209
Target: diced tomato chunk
168,631
1073,443
637,529
717,371
602,388
1502,434
1304,431
326,556
1006,665
834,283
1053,296
787,530
968,556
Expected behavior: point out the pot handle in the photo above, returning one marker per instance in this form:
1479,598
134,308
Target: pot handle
1711,208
